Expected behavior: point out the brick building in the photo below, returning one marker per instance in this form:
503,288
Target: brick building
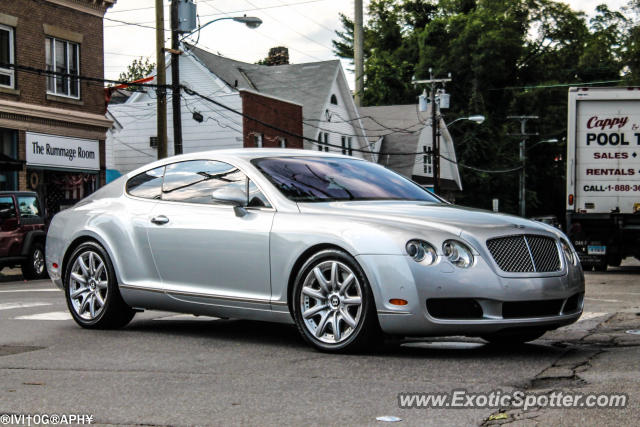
52,128
285,115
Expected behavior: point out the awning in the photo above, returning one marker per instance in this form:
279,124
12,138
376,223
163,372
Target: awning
10,165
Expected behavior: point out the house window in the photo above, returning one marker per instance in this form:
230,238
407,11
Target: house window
257,140
347,148
6,56
323,141
62,57
283,142
334,99
427,159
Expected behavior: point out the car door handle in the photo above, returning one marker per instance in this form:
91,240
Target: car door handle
160,219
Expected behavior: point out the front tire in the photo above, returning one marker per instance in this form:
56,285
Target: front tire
91,290
34,267
333,305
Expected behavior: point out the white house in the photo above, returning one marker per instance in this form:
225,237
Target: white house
329,113
403,129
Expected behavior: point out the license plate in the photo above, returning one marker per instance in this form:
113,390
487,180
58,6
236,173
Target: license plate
596,250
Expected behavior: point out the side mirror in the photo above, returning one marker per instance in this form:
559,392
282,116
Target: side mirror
232,196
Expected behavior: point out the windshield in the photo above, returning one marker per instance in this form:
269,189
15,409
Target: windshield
327,179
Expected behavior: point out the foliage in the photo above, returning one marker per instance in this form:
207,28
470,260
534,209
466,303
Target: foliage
506,59
277,56
138,69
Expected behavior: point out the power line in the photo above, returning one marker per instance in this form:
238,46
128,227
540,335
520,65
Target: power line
291,28
136,24
144,23
257,30
559,85
42,72
232,110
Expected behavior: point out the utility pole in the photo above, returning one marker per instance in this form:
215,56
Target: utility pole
523,159
435,125
161,80
358,54
175,78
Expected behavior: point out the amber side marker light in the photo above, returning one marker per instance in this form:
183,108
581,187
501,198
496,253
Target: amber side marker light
570,199
397,301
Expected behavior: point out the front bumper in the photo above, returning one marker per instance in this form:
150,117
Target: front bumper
496,303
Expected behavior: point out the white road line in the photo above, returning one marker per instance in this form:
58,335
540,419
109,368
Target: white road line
600,299
54,315
587,315
30,290
12,305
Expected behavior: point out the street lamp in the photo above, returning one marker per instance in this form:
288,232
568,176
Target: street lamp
249,21
523,158
477,118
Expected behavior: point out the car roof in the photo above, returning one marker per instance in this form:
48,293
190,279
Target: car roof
246,154
255,153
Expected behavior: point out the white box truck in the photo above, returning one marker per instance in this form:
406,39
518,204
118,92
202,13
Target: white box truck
603,174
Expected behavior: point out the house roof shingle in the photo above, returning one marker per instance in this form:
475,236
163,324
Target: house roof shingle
307,84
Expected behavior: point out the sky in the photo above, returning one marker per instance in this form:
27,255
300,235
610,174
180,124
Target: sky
306,27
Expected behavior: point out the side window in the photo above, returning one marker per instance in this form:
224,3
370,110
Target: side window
7,208
147,184
256,198
195,181
29,206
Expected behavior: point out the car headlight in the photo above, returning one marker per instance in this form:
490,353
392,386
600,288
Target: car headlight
457,253
421,251
568,252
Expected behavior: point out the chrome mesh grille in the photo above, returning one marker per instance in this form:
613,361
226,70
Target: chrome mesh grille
545,253
525,253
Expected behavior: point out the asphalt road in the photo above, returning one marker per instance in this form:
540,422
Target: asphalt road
165,369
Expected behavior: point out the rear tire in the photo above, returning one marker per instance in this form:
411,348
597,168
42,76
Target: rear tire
333,305
504,339
34,267
91,290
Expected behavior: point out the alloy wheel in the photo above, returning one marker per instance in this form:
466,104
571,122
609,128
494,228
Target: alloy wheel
88,285
38,262
331,302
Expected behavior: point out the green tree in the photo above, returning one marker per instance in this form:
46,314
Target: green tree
138,69
506,58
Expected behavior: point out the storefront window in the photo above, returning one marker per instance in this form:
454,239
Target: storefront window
8,155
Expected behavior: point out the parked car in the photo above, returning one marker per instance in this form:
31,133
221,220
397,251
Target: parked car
22,233
345,248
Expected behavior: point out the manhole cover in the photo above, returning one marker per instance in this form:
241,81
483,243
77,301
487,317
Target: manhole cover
633,331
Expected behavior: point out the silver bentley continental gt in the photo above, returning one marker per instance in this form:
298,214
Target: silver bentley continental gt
346,249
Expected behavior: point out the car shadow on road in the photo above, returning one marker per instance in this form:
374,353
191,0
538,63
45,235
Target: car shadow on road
625,269
282,335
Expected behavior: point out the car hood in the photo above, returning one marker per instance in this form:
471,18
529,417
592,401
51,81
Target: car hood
452,218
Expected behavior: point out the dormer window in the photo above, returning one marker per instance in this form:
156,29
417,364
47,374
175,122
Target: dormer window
334,99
